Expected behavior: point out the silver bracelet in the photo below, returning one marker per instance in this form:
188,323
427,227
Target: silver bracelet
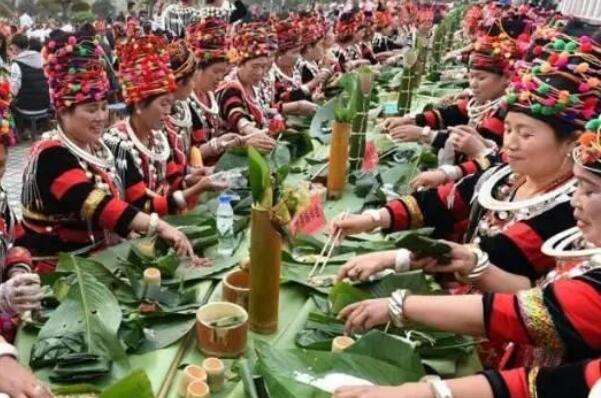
152,224
396,307
180,201
439,387
402,260
452,172
482,265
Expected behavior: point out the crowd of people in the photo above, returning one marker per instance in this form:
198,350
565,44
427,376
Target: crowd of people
516,196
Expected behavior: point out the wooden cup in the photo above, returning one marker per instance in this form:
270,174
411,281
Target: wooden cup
198,389
221,341
236,288
215,373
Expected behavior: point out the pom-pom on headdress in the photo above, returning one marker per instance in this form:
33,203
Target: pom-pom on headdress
208,39
494,54
312,29
346,25
252,40
382,19
588,152
6,120
144,69
75,70
564,85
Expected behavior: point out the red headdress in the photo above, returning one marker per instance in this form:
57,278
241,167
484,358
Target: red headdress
252,40
6,120
494,54
288,33
76,72
312,29
208,39
181,59
144,68
383,19
346,25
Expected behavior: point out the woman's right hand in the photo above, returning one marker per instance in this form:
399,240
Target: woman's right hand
176,239
360,268
260,141
429,179
230,141
353,224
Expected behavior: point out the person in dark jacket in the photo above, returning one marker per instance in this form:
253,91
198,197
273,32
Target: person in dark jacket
28,83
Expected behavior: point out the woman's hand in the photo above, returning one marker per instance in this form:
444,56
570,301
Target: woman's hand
176,239
21,293
467,140
229,141
407,390
305,107
365,315
406,133
429,179
360,268
394,122
18,382
462,260
353,224
260,141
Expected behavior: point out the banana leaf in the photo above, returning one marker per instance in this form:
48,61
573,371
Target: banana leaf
299,144
137,384
288,372
258,175
298,122
320,127
90,308
425,247
343,294
144,334
232,159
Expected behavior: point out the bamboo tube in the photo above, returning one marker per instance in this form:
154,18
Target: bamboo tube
360,104
152,280
338,163
195,157
190,374
215,373
198,389
265,263
407,83
341,343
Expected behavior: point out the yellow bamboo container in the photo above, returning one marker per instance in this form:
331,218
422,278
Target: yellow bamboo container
195,157
338,163
265,263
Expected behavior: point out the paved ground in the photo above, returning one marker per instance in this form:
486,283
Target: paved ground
12,180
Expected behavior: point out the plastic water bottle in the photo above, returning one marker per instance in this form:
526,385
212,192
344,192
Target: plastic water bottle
225,226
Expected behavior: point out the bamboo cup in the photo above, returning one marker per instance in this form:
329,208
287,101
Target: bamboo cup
341,343
215,373
190,374
152,280
265,263
198,389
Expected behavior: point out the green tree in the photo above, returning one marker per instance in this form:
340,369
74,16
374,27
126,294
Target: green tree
27,6
103,8
80,6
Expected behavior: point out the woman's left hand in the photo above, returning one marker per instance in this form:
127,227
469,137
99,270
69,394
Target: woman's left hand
365,315
406,133
467,140
462,260
407,390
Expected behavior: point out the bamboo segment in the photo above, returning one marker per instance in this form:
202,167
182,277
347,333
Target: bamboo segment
338,163
195,157
359,102
265,263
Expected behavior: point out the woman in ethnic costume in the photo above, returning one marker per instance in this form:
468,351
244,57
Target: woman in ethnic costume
561,314
468,133
346,51
291,96
73,199
308,69
19,288
238,96
208,40
510,210
145,160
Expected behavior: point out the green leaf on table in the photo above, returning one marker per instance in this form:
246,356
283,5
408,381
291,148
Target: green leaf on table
415,281
137,384
390,349
343,294
422,246
151,333
124,292
233,159
91,309
294,373
298,122
299,144
167,264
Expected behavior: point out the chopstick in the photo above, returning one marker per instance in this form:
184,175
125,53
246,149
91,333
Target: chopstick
329,247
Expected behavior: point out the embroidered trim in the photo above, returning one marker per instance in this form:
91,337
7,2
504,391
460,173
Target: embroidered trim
91,204
415,213
538,321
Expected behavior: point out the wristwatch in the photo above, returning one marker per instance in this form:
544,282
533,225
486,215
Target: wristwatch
8,350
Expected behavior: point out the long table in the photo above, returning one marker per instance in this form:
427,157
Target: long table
295,306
